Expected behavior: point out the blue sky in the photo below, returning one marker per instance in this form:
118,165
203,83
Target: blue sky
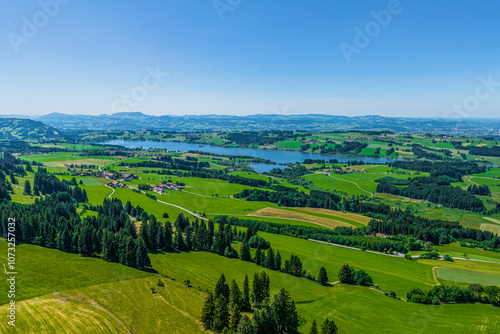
251,56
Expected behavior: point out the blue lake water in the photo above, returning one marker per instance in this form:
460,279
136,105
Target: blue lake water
279,156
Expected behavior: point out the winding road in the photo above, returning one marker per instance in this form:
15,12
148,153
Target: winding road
143,192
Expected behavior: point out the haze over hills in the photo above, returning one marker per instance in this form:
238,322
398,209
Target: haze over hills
308,122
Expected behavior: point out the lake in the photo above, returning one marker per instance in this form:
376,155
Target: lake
279,156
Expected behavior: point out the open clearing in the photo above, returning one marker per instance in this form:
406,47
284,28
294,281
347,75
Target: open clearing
288,214
467,277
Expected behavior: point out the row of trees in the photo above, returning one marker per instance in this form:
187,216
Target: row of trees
483,190
435,190
474,293
54,223
399,222
453,169
339,235
291,197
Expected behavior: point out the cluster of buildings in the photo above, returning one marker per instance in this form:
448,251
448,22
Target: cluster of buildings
26,153
347,171
149,155
160,188
116,184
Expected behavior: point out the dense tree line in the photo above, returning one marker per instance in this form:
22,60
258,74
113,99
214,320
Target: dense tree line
347,147
452,169
47,184
486,151
474,293
399,222
266,137
221,175
54,223
167,162
339,235
436,190
483,190
12,165
5,187
422,154
291,197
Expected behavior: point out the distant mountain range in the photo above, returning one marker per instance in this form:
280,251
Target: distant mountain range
310,122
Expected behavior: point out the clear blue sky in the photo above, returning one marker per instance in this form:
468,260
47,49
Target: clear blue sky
264,57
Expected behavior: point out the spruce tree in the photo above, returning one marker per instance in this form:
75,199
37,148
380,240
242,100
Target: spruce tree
246,326
346,275
130,252
179,243
284,313
153,234
246,306
258,257
235,297
222,289
277,262
142,258
27,187
323,276
245,251
208,312
168,236
235,319
144,233
329,327
269,262
314,328
256,290
222,315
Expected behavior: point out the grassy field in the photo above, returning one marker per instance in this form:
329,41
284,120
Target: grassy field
300,216
451,275
123,300
126,306
354,308
348,217
454,249
43,271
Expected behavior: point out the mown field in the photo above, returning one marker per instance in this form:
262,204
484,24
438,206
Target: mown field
467,277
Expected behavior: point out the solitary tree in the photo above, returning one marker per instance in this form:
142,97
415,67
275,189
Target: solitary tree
27,187
323,276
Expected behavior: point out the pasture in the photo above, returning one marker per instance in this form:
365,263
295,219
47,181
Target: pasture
461,276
